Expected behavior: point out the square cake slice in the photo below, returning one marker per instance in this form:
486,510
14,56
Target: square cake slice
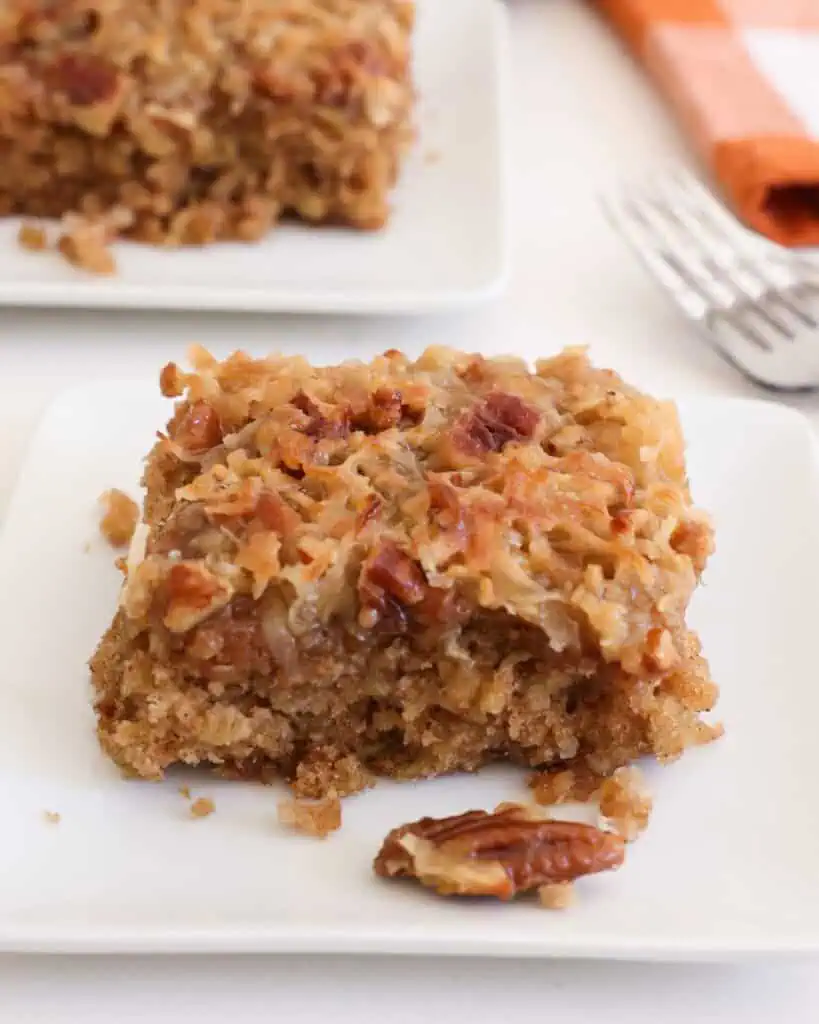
407,568
185,121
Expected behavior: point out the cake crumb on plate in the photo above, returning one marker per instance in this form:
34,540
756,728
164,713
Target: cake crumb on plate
32,237
312,817
119,518
557,896
565,785
202,807
625,803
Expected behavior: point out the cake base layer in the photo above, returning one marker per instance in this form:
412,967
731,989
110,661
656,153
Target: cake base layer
391,715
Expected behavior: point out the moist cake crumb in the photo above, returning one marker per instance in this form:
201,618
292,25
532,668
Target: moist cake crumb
564,785
312,817
120,515
88,249
625,802
558,896
32,237
202,807
623,799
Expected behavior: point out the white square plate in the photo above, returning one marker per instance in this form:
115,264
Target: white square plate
444,246
728,866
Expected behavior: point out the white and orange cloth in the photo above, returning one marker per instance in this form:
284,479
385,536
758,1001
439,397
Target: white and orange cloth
743,76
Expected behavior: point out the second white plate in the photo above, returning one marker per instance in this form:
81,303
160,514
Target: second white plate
444,246
726,868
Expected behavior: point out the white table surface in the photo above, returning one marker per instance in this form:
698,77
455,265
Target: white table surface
580,116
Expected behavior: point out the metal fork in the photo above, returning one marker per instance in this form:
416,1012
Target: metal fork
756,301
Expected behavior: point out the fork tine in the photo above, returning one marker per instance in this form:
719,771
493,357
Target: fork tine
761,264
747,293
716,261
620,212
731,256
667,252
681,240
724,225
712,242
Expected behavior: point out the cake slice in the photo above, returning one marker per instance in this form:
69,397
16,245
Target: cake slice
406,568
192,120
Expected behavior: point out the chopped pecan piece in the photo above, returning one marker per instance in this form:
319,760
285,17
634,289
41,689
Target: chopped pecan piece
446,507
327,422
273,513
382,412
85,80
491,424
442,608
199,429
316,818
390,407
171,380
389,576
193,593
499,854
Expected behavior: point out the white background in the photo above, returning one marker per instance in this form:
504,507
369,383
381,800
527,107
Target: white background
581,119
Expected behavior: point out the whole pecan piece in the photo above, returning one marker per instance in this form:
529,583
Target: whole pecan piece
497,854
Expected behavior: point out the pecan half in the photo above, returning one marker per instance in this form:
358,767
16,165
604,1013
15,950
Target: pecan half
497,854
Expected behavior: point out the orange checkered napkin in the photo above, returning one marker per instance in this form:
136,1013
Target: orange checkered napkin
743,76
